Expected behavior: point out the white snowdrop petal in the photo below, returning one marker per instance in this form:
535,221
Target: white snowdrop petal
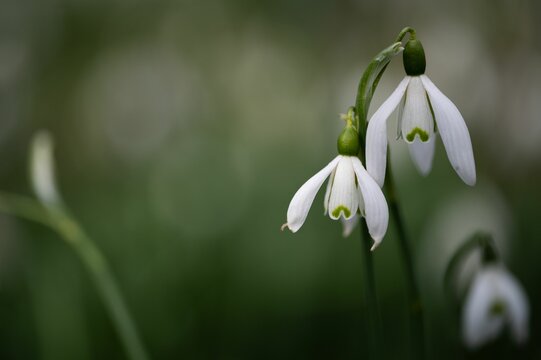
518,309
453,131
376,135
400,114
478,324
304,197
328,192
417,122
361,201
348,225
422,154
344,200
375,205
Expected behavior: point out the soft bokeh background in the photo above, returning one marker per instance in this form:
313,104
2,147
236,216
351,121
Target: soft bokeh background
183,128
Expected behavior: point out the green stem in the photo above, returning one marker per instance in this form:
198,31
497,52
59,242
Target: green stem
368,83
403,33
417,341
479,240
367,86
375,331
92,258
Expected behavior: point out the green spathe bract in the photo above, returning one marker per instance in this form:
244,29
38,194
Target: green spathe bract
348,141
414,58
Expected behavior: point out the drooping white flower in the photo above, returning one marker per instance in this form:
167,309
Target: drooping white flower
495,300
423,112
350,190
42,172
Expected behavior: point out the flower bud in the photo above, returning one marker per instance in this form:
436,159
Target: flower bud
414,58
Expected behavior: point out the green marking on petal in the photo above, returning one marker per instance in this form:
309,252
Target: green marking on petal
336,212
497,308
423,135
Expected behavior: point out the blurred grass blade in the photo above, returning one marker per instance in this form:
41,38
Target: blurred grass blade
94,261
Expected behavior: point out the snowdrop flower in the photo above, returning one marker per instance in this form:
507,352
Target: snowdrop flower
42,169
495,299
423,111
350,190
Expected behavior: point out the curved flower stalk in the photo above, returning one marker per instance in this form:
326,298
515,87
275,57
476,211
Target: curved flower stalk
495,300
50,212
423,111
350,191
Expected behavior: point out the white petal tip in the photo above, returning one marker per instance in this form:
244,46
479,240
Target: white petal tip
375,245
284,226
346,233
467,175
471,182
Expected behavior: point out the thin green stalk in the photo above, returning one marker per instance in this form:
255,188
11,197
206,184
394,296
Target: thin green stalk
417,339
403,33
375,328
92,258
375,331
367,86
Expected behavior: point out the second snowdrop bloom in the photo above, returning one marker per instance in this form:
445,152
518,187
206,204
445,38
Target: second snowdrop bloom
423,111
495,300
350,191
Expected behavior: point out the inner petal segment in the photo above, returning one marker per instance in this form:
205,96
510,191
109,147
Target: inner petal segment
417,120
344,198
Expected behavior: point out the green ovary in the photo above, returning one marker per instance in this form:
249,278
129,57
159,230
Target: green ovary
341,208
423,135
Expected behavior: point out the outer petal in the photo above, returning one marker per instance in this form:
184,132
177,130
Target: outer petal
328,192
478,324
376,210
453,131
376,135
400,115
517,306
349,225
304,197
422,154
344,198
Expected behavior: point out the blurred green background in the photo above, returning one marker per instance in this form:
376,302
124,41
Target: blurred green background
183,129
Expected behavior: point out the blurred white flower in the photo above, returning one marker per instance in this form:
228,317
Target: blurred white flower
42,172
423,110
350,189
494,300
